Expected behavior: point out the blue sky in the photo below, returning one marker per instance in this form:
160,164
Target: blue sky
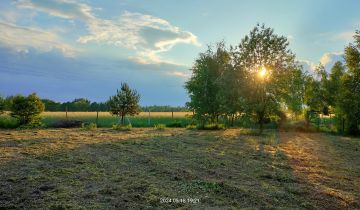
64,49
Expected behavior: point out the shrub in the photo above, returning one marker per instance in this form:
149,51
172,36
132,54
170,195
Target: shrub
30,126
67,124
88,126
122,127
191,127
160,126
8,122
27,109
174,124
213,126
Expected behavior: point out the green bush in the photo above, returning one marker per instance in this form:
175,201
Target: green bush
88,126
191,127
27,110
8,122
174,124
30,126
122,127
213,126
160,126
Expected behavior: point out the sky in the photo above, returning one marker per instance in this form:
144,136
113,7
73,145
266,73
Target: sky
65,49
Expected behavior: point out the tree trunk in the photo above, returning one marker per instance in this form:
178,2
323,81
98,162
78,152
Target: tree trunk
261,122
122,119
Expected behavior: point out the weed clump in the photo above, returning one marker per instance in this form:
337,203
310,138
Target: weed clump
122,127
88,126
212,126
191,127
160,126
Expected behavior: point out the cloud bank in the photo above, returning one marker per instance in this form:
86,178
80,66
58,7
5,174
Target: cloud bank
147,35
21,38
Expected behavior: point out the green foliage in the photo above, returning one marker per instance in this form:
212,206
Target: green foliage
2,105
174,124
156,108
125,102
226,83
191,127
8,122
212,126
88,126
334,83
51,105
122,127
160,126
203,86
27,109
348,110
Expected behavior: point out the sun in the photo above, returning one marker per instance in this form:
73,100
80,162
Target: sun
262,73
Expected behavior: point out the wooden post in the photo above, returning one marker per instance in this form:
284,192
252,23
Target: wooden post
149,118
172,114
66,110
343,125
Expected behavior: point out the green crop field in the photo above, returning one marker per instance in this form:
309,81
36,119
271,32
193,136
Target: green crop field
176,119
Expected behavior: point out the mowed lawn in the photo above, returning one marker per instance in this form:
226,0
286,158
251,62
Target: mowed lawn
145,168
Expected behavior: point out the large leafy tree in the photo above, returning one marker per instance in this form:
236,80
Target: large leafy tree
349,97
294,95
27,109
334,83
125,102
268,64
232,88
204,84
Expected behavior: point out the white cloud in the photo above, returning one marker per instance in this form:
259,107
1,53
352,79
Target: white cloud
9,16
327,60
147,35
308,66
22,38
178,74
59,8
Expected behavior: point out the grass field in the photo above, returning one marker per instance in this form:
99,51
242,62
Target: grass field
144,168
106,120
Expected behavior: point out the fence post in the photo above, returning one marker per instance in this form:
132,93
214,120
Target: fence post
66,112
149,118
172,114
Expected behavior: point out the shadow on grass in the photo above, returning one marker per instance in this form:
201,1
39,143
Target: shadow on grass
327,165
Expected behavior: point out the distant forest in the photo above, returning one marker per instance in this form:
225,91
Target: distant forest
85,105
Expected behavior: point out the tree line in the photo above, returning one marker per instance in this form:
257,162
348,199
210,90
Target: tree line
259,79
85,105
